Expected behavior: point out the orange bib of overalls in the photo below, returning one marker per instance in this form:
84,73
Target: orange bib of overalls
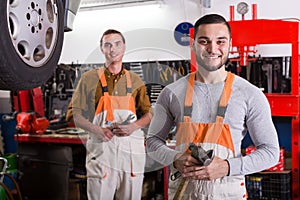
110,104
216,136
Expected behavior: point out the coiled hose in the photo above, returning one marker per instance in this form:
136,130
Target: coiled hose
9,195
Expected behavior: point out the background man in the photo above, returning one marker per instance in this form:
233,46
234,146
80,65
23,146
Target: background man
104,104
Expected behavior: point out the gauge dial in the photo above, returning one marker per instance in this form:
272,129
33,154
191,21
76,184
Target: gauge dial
242,8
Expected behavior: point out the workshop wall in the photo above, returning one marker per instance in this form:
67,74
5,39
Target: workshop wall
149,32
149,29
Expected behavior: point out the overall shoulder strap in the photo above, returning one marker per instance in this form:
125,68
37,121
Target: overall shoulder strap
225,97
188,104
128,83
102,79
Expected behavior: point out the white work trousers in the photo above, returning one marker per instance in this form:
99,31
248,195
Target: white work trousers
116,185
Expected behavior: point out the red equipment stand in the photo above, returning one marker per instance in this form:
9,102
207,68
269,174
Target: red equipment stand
247,33
253,32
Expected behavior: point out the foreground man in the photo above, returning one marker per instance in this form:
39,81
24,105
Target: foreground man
213,109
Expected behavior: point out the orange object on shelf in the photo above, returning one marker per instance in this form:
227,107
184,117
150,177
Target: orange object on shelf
28,122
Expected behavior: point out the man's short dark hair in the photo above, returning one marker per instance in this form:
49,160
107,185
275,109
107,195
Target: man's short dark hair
211,19
111,31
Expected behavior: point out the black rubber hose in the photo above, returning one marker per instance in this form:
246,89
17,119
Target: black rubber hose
9,195
16,185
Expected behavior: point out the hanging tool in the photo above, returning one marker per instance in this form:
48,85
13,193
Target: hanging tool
61,94
160,70
259,68
285,74
164,73
175,72
276,68
238,69
180,69
267,67
283,66
205,158
248,70
287,67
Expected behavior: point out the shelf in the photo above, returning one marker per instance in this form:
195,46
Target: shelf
283,104
51,138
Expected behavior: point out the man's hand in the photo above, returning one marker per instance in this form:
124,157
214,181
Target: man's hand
216,169
125,130
184,160
103,134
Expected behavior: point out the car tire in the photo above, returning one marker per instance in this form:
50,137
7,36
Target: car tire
31,39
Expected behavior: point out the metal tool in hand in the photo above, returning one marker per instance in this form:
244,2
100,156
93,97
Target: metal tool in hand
128,119
197,152
113,125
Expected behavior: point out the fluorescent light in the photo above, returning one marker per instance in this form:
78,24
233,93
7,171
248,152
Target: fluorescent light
102,4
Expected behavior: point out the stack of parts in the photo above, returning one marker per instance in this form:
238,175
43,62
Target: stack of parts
137,68
154,92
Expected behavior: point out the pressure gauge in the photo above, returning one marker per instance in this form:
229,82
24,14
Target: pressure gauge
242,8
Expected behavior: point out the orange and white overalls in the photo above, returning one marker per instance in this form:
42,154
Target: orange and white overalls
115,168
216,136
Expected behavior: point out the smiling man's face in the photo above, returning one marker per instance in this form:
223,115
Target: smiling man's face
212,44
113,48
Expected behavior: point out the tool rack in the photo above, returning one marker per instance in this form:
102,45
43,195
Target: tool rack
249,33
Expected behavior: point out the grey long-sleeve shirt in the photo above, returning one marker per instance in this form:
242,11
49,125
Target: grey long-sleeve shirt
248,110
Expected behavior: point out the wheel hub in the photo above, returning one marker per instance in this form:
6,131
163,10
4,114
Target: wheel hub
34,18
